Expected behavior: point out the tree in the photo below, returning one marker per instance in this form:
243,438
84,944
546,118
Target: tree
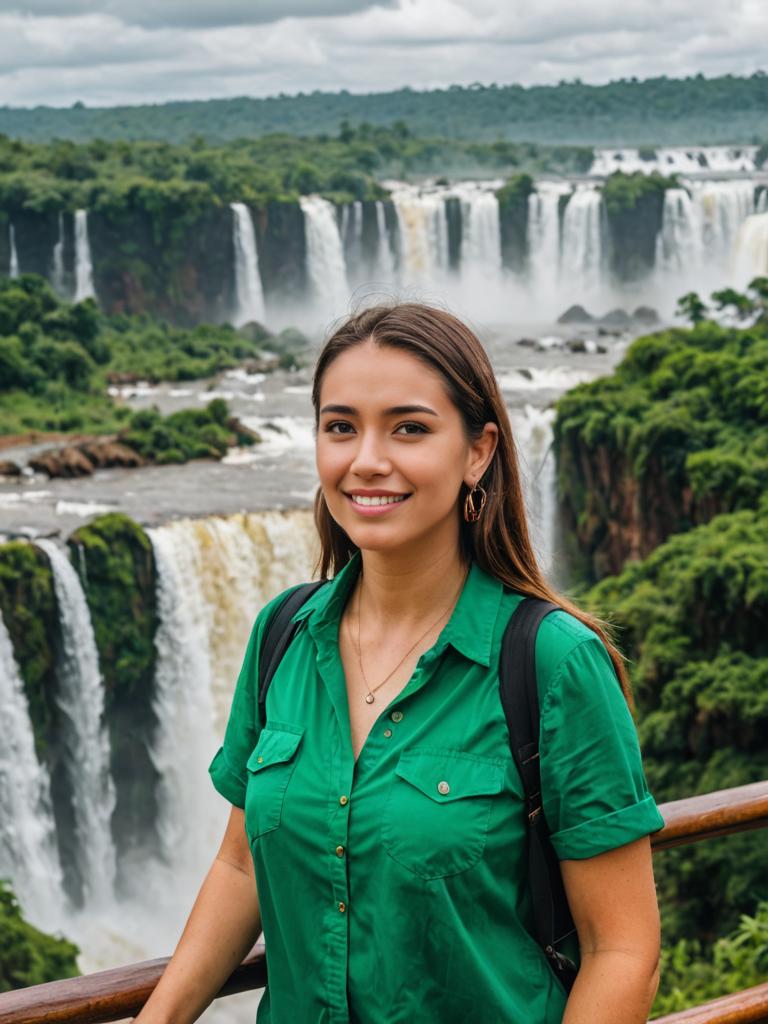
691,307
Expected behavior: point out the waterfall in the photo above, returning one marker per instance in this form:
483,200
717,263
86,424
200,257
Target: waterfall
81,699
481,233
762,200
724,205
28,853
214,575
58,259
582,254
544,237
423,228
385,262
326,268
750,252
679,244
532,430
250,297
13,270
83,267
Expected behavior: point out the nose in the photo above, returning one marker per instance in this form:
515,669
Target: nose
371,458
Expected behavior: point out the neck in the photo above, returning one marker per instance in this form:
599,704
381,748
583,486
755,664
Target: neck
400,589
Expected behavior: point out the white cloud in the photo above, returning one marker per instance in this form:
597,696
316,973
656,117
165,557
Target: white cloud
63,50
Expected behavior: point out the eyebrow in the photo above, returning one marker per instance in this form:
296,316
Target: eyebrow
395,410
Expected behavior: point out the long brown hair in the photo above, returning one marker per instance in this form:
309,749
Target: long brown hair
500,541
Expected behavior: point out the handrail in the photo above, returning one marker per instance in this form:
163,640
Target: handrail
121,992
111,995
747,1007
712,814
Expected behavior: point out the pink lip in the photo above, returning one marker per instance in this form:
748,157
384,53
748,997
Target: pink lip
370,511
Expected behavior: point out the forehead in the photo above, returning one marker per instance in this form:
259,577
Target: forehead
371,373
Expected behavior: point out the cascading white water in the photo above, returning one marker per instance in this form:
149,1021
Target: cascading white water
423,229
582,250
248,289
13,269
385,260
57,279
750,252
481,233
679,244
326,268
84,288
28,852
699,243
762,201
214,576
544,237
81,699
532,430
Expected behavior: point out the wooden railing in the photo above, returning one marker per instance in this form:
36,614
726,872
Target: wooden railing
120,993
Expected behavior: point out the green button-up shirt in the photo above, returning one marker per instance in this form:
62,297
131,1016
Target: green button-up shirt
396,889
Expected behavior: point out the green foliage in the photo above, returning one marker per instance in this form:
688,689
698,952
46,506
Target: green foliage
114,559
187,434
56,359
29,956
171,187
659,111
624,192
692,974
516,191
691,307
30,613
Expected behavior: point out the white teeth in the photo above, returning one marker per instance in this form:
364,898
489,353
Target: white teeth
360,499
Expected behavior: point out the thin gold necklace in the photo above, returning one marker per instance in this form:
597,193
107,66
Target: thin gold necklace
369,697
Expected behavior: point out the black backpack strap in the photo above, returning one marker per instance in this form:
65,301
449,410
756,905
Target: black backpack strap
277,637
520,699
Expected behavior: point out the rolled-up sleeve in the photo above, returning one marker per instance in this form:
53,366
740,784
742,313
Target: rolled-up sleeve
594,792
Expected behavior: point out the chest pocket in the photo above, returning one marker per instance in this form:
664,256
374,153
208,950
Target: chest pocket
436,815
270,767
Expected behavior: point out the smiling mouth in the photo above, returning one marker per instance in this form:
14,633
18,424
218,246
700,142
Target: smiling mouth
366,502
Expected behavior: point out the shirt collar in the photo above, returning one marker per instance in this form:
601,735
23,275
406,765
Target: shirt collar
469,629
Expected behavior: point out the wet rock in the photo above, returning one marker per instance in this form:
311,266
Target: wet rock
527,342
255,332
576,344
9,468
66,462
608,332
576,315
646,315
525,372
616,318
240,433
111,453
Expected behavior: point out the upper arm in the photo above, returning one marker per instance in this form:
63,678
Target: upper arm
612,897
234,848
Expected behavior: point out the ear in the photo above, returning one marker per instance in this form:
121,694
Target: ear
480,454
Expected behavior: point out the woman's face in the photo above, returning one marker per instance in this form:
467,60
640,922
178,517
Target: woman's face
391,450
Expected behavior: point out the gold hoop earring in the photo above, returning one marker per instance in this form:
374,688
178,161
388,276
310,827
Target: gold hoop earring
473,508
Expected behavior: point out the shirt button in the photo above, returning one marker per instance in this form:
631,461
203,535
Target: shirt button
342,907
396,716
387,733
259,760
343,800
339,851
443,787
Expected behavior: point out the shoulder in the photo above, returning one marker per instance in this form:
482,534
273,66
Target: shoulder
267,614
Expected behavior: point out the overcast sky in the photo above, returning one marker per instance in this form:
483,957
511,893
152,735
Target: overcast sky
105,52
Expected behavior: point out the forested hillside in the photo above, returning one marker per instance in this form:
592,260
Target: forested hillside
654,111
664,479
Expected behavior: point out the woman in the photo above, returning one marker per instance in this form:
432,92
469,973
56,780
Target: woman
380,804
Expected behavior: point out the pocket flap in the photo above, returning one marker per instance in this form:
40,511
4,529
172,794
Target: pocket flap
275,744
446,775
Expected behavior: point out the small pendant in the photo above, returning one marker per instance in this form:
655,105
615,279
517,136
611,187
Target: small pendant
369,698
